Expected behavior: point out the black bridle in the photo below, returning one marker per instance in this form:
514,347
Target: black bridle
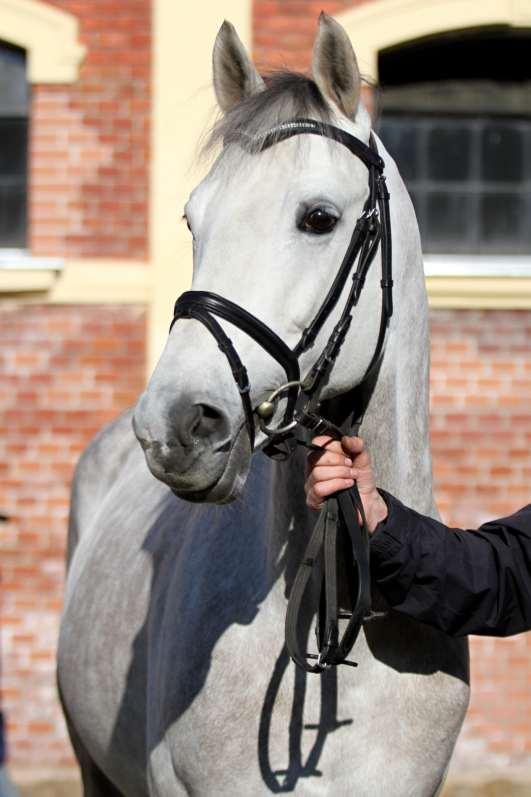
303,396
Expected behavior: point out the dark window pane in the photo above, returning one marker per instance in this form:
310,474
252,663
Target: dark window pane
13,84
502,153
449,152
13,149
447,223
12,216
401,138
502,216
13,146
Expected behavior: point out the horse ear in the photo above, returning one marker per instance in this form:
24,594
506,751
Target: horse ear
334,66
235,76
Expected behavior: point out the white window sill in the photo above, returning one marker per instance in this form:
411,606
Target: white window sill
20,272
477,266
22,260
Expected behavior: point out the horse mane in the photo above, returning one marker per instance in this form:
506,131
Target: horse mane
287,95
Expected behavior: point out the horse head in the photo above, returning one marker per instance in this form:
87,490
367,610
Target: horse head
270,228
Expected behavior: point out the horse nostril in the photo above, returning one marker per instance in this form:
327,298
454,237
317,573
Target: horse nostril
205,421
198,423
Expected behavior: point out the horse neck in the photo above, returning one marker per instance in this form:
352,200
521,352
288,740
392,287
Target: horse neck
396,425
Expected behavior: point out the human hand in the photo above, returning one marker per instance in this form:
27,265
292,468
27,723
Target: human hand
336,468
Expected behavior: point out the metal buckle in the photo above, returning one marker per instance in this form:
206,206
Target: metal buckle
267,408
324,665
368,214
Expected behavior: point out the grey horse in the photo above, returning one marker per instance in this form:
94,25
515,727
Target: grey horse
172,668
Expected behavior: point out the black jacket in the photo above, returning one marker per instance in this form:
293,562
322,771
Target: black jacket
463,582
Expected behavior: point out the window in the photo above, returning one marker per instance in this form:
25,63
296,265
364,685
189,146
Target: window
14,96
456,115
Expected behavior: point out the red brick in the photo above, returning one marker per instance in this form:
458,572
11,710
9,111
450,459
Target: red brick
34,486
486,479
82,129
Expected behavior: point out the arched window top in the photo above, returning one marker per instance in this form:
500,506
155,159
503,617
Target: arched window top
485,70
378,25
49,36
488,53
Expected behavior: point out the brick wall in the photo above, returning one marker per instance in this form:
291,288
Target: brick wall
89,144
481,438
481,419
284,30
65,371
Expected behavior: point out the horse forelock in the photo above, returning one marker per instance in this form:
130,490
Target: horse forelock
287,95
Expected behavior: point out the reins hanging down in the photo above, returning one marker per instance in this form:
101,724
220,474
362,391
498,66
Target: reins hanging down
303,407
339,515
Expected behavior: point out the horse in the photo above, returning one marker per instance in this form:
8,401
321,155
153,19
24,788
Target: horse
172,668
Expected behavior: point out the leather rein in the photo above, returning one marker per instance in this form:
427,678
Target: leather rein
342,518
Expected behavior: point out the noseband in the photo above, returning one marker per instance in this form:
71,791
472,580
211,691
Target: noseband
303,405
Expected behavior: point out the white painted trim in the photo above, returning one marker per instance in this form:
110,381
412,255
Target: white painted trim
489,293
49,36
183,109
477,266
79,282
386,23
22,260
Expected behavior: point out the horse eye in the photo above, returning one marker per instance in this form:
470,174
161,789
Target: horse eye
318,221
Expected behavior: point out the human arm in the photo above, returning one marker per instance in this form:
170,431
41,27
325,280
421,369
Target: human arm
462,582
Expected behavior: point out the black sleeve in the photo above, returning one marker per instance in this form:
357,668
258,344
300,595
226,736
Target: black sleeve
462,582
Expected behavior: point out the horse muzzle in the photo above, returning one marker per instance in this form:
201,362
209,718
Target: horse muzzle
190,447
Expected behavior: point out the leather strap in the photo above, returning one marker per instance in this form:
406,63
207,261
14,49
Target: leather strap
239,371
203,305
338,517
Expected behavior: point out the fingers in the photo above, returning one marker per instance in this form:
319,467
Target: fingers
335,468
323,473
329,470
329,458
333,454
355,448
320,490
354,445
349,445
330,443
